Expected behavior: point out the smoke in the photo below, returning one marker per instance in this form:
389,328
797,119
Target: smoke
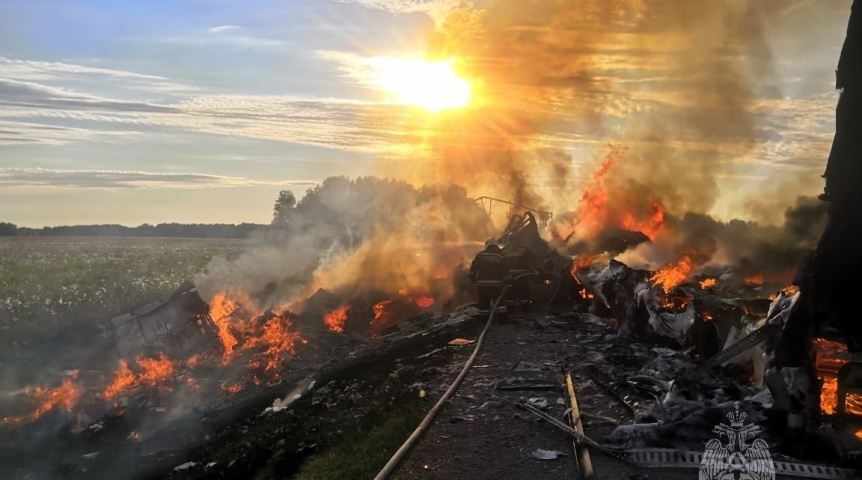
673,81
748,246
354,236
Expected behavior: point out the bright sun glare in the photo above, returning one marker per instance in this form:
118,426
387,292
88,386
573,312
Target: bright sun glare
432,85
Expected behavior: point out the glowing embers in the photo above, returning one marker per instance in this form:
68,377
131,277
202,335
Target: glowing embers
672,275
827,361
432,85
755,280
63,397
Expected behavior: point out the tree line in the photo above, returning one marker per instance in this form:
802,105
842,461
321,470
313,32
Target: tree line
180,230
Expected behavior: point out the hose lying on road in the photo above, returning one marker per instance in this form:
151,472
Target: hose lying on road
426,422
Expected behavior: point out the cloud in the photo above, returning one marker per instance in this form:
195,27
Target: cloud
436,9
27,133
32,70
223,28
114,179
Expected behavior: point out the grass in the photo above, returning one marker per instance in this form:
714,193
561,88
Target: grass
363,454
50,283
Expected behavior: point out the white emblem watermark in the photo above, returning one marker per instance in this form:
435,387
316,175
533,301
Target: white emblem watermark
737,459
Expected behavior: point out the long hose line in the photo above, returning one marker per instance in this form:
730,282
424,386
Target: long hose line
426,422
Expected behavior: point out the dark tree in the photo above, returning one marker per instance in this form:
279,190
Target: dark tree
285,205
8,229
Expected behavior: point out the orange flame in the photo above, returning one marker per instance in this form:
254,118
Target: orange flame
134,435
380,310
425,302
582,262
221,309
593,207
827,365
277,339
154,373
708,283
231,388
335,319
649,227
124,378
673,275
65,396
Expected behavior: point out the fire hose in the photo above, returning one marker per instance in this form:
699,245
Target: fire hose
429,417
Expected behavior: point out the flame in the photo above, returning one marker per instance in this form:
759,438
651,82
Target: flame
277,339
593,207
673,275
65,396
755,280
124,378
650,226
706,316
192,384
231,388
379,310
441,274
335,319
827,365
708,283
859,434
425,302
582,262
134,435
155,372
221,310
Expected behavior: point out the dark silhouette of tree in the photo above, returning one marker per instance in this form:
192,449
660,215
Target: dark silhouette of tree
8,229
285,206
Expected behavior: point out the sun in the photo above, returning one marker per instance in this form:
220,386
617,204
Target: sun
432,85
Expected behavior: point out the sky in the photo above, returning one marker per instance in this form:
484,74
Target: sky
202,110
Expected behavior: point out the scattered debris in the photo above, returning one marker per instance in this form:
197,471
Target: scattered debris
527,366
185,466
540,454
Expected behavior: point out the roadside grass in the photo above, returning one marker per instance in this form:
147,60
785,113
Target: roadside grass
363,453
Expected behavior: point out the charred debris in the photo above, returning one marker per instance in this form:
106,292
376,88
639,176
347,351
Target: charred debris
216,388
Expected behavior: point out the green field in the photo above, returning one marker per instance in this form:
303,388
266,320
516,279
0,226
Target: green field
47,284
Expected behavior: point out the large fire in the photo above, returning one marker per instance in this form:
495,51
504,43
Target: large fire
673,275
